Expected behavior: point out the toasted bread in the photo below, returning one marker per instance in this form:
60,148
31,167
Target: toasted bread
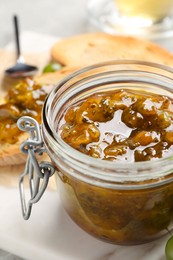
10,153
54,77
87,49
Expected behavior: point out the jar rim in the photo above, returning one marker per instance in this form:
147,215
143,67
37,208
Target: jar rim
93,162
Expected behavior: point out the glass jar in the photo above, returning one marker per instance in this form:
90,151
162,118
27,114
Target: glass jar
121,203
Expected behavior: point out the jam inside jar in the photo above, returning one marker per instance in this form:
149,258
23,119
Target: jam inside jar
114,165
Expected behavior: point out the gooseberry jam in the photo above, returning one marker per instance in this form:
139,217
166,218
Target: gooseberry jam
108,129
24,99
122,126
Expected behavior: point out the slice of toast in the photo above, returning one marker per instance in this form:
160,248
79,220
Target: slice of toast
87,49
10,153
54,77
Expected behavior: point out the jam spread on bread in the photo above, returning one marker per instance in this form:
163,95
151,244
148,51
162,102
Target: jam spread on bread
25,99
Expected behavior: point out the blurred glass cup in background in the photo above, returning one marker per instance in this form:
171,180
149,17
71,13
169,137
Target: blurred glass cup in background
146,12
146,18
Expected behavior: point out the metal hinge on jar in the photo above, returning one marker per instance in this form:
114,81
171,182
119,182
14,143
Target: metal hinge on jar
38,173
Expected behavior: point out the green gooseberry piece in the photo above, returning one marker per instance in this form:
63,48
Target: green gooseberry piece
52,67
169,249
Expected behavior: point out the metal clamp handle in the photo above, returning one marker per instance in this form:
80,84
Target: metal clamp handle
38,173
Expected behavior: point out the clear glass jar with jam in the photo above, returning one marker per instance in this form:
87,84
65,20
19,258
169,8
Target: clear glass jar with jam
115,179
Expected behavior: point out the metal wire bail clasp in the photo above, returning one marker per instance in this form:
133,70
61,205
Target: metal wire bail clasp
35,171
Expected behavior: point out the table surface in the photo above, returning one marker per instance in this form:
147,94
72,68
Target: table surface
60,19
